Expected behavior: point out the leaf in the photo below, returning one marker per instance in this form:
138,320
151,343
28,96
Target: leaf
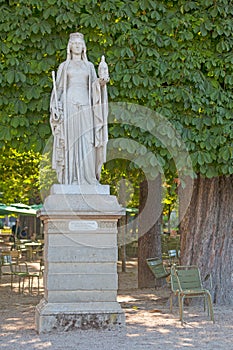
153,160
44,130
51,2
150,124
211,172
225,153
47,13
19,76
214,11
203,29
20,107
15,122
5,133
10,76
45,27
126,78
35,28
200,159
136,80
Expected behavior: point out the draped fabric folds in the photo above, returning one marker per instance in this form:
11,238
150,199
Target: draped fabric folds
80,127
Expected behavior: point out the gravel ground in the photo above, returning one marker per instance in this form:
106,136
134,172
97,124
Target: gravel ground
149,324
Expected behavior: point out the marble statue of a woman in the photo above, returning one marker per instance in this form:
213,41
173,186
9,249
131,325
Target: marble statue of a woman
78,116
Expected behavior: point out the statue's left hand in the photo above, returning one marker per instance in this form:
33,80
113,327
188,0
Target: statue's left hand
103,81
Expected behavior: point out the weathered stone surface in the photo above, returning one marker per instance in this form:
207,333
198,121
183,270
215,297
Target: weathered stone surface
80,189
85,239
81,206
62,225
75,296
81,252
56,317
82,267
76,281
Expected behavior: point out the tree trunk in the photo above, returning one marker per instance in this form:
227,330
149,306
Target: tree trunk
206,234
149,242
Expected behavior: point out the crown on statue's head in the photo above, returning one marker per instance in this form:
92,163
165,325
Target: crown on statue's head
76,35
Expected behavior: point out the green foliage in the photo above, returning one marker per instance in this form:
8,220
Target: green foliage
124,179
19,173
170,195
182,67
172,56
47,176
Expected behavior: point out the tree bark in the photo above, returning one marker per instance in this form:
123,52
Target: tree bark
207,234
149,242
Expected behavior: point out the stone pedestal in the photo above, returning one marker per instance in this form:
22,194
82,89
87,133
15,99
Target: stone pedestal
80,279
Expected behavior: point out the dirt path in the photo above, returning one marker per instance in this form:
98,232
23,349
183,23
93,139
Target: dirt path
149,324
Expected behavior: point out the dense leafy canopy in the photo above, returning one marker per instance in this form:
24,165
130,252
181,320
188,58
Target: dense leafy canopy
124,180
19,177
171,56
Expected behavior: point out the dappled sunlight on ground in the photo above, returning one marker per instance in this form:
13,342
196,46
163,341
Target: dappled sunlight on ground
149,323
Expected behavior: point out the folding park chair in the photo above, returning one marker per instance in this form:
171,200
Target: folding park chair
157,268
11,259
186,283
37,275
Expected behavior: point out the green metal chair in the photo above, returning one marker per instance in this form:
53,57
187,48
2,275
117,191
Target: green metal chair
9,272
38,275
10,259
186,283
157,268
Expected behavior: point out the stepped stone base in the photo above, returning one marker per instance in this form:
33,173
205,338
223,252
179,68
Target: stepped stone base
80,278
61,318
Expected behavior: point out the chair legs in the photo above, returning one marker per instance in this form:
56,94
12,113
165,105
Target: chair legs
171,302
30,283
181,297
22,278
210,306
38,282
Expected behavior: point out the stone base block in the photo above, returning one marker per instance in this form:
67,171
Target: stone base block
57,317
80,254
80,189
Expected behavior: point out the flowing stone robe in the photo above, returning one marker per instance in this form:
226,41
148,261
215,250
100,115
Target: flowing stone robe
80,130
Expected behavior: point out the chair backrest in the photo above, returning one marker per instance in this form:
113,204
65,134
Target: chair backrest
157,267
185,278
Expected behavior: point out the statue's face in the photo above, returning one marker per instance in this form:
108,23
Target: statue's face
77,46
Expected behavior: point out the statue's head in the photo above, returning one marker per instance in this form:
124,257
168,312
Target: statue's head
76,43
